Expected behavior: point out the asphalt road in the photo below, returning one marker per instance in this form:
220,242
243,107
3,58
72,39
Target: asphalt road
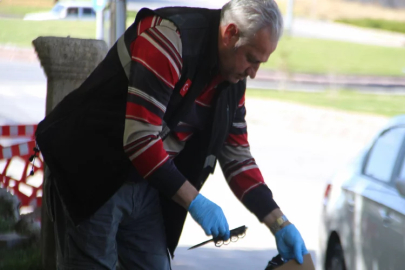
297,148
22,92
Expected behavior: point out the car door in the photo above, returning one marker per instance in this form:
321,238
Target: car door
379,213
394,231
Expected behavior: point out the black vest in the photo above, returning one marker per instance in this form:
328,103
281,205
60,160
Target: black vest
81,140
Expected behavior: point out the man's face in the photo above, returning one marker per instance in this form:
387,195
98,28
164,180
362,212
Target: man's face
238,63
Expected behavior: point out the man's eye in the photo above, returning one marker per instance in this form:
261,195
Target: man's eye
252,60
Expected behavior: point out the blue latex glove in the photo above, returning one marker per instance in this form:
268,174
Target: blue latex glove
290,244
210,217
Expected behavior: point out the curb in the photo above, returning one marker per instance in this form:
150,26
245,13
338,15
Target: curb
331,79
11,53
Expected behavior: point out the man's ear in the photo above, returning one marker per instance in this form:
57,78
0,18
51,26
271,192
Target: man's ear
231,35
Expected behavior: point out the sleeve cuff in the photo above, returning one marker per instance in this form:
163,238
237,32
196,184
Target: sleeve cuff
260,201
167,179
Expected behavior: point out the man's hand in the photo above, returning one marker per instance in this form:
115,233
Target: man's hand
210,217
290,244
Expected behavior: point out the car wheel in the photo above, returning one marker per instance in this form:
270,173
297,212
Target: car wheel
336,260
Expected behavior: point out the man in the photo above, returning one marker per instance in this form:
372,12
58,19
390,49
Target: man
130,148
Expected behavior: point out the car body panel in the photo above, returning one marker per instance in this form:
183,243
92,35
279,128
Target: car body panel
365,214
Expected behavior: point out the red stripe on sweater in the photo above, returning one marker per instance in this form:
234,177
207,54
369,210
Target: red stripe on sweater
144,24
151,159
140,113
206,97
159,20
237,140
244,181
241,101
183,136
154,60
168,45
208,93
143,140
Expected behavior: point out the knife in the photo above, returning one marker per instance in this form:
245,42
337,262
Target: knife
235,235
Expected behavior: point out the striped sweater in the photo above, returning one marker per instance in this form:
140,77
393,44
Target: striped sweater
155,69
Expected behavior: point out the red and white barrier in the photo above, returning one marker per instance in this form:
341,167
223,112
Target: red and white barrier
18,131
15,166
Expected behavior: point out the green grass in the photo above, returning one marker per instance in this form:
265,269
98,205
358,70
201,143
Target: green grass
22,258
21,33
388,25
307,55
351,101
131,16
20,11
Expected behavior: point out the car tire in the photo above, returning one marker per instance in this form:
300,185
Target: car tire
335,260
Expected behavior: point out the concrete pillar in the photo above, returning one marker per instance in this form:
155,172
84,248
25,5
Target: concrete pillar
118,18
121,17
113,23
289,17
67,62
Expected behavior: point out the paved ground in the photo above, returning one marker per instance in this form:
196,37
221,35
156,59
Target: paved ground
232,259
343,32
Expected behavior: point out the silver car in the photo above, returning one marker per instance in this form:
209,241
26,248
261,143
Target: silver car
363,217
65,10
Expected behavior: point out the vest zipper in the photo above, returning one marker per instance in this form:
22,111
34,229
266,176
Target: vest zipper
227,114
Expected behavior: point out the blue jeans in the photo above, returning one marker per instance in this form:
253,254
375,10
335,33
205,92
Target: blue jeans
127,229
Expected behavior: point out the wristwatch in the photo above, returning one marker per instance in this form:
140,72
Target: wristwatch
276,226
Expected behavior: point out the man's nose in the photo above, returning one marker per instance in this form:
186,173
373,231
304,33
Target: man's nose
251,72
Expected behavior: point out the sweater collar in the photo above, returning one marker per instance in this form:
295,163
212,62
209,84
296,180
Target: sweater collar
213,59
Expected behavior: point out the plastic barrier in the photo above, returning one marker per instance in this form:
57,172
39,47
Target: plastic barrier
15,166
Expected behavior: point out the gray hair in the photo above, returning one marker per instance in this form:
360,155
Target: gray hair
252,15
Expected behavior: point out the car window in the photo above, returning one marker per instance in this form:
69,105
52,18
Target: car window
57,8
402,171
72,12
88,12
382,157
